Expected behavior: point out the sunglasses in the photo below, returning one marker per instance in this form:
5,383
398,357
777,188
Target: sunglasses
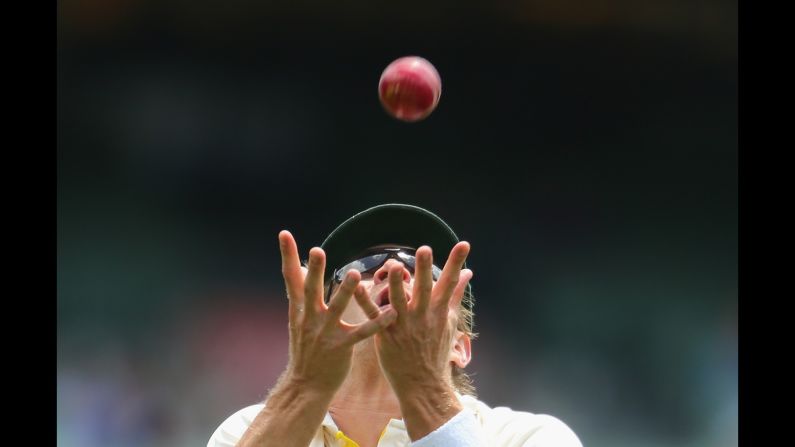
370,264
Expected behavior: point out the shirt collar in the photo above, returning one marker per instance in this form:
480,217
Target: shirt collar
395,431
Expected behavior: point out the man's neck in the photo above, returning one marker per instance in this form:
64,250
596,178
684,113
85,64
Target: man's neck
365,402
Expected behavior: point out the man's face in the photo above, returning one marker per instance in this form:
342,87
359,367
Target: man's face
376,284
377,287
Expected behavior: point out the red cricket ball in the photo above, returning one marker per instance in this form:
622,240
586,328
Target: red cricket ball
410,88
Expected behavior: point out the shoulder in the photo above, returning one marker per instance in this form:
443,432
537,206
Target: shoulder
508,427
231,430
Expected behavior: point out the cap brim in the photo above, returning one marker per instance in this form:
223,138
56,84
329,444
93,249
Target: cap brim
392,223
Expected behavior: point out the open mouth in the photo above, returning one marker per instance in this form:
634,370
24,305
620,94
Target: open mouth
382,299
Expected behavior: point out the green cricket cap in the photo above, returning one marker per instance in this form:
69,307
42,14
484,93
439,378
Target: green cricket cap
395,224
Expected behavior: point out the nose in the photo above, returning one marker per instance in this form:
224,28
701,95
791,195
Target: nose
383,272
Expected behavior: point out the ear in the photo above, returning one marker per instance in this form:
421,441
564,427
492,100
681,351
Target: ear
461,351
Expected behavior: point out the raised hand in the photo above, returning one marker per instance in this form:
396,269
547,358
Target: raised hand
321,344
321,347
415,352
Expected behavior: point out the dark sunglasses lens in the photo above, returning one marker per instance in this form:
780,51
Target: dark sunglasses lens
370,263
408,260
363,265
411,262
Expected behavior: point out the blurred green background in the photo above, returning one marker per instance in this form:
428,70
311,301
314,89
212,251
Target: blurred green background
587,151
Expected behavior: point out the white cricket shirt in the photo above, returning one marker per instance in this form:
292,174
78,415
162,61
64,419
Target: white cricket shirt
477,425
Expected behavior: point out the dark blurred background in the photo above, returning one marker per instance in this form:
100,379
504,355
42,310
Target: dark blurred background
587,150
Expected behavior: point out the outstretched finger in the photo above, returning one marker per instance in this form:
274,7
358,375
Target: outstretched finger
397,296
313,283
370,327
449,278
364,301
460,288
342,296
292,272
423,279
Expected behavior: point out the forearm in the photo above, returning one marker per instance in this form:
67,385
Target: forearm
427,406
291,417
